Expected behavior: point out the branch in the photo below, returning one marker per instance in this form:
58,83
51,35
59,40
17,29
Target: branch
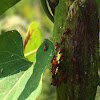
31,52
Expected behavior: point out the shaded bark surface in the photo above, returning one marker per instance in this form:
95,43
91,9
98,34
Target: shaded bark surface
82,43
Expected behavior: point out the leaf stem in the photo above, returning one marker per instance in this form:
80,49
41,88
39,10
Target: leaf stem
30,52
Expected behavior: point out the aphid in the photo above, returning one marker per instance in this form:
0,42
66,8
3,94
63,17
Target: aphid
56,46
62,39
61,71
67,31
53,80
45,47
63,77
74,59
77,76
53,69
54,60
61,58
62,50
60,78
57,65
54,56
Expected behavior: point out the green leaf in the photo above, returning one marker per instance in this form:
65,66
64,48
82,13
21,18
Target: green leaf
11,54
19,81
34,85
32,41
13,64
4,5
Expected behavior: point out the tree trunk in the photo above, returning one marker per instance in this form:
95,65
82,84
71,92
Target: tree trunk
81,44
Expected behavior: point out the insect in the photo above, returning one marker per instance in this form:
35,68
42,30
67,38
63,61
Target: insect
53,80
62,39
61,71
56,46
61,58
54,56
53,69
77,76
54,60
67,31
62,77
74,59
62,50
45,47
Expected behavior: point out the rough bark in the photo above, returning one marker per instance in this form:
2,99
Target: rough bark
82,44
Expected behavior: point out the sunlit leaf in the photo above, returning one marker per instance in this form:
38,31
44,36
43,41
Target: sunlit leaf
32,41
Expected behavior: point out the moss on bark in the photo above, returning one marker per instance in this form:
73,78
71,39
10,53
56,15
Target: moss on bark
82,44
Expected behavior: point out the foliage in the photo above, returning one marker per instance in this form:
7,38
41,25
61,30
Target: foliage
32,41
24,78
4,5
18,71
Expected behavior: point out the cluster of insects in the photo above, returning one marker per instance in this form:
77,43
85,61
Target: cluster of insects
56,61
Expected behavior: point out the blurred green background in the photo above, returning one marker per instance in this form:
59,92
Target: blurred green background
22,14
19,17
